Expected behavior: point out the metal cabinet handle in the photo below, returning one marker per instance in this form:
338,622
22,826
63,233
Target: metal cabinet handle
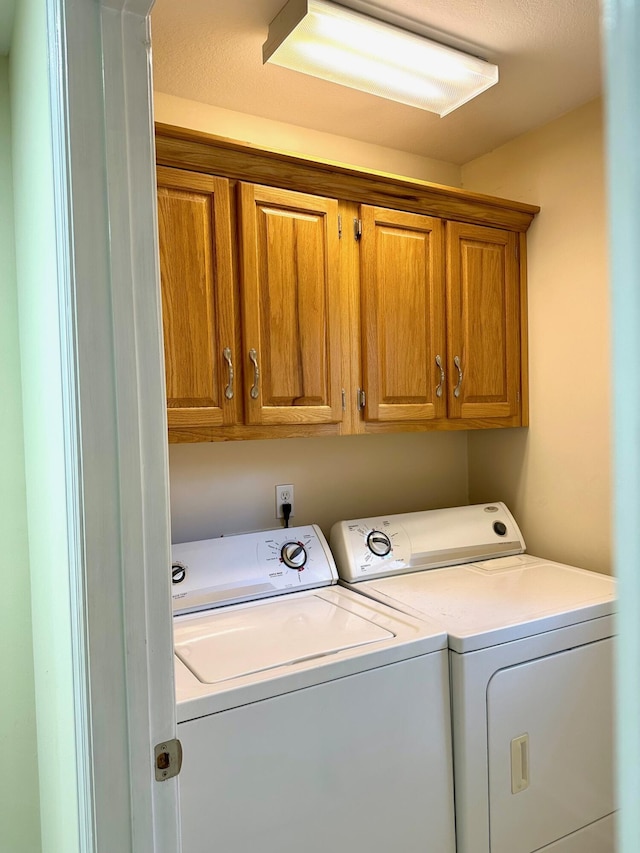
456,390
439,388
253,355
228,391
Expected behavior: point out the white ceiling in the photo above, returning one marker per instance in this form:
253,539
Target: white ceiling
547,51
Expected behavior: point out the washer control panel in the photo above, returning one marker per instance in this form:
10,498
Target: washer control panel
231,569
387,545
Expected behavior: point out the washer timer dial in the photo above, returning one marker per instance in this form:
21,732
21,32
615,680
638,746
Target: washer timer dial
378,543
294,555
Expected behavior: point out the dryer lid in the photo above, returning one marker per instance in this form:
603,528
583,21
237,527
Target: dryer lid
243,641
496,601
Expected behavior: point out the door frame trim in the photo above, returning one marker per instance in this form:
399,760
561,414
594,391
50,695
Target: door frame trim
116,457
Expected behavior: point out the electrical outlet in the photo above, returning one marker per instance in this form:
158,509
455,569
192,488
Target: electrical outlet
284,495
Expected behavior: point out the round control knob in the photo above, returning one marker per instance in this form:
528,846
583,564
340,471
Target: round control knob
379,543
294,555
500,528
178,572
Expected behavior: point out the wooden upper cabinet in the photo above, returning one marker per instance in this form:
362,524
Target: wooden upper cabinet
483,312
290,307
272,323
198,298
402,315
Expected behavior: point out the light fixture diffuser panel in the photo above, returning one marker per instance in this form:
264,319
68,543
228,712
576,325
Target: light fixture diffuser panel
333,43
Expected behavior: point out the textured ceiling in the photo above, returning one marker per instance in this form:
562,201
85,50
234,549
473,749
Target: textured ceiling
547,51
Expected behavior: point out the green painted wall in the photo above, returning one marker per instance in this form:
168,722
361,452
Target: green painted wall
19,802
44,433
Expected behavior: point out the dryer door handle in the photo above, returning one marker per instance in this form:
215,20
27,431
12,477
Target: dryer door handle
519,763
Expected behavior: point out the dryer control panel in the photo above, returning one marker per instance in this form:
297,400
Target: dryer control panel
387,545
228,570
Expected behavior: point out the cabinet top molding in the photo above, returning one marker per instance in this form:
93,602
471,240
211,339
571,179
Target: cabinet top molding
183,148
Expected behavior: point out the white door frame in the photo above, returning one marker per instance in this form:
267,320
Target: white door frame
621,33
115,421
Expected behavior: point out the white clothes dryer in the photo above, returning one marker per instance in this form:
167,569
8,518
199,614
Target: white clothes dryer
530,649
311,718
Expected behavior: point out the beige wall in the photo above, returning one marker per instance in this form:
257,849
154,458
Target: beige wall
555,476
229,487
289,137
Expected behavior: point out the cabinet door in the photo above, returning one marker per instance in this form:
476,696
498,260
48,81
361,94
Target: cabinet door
290,307
197,298
483,321
402,310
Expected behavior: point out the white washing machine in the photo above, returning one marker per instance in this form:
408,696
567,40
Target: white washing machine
531,645
311,718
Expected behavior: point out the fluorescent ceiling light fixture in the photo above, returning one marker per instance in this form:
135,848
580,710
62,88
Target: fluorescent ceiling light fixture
342,46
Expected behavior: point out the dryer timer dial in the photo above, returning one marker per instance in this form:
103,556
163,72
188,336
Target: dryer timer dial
378,543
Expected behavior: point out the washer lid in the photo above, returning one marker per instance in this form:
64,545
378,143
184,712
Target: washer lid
496,601
236,643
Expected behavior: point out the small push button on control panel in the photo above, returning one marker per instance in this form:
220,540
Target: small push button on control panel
500,528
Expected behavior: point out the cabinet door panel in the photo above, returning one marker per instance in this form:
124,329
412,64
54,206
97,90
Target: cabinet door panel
483,314
402,305
290,306
197,297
